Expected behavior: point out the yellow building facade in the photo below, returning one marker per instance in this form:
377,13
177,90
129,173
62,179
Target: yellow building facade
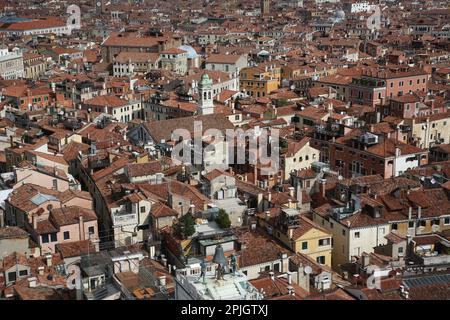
307,238
260,81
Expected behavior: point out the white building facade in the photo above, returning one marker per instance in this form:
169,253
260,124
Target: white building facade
11,64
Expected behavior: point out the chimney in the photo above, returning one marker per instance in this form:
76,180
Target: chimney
365,260
291,290
408,239
32,282
272,275
291,191
162,280
409,213
378,115
289,277
41,270
269,196
299,195
96,244
419,212
164,260
34,221
11,139
81,227
48,259
290,233
322,185
406,294
267,215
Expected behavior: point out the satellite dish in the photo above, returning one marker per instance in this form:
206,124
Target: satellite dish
307,270
292,87
99,4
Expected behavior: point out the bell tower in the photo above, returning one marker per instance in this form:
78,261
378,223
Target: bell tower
265,7
99,6
205,93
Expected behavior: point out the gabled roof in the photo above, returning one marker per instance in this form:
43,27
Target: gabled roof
210,176
160,210
296,146
136,57
144,169
162,130
106,101
71,215
12,232
223,58
75,248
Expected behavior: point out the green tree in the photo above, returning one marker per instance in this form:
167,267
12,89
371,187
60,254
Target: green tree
281,102
223,219
186,226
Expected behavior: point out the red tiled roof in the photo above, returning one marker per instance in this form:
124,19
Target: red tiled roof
222,58
50,22
159,210
109,101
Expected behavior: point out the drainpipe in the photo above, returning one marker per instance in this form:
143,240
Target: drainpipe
81,227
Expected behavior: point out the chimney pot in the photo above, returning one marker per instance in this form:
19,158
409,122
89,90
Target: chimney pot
291,191
34,221
48,258
81,227
162,280
299,195
322,185
289,277
32,282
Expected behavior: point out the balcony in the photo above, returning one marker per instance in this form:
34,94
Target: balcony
367,82
123,218
342,212
405,128
329,129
